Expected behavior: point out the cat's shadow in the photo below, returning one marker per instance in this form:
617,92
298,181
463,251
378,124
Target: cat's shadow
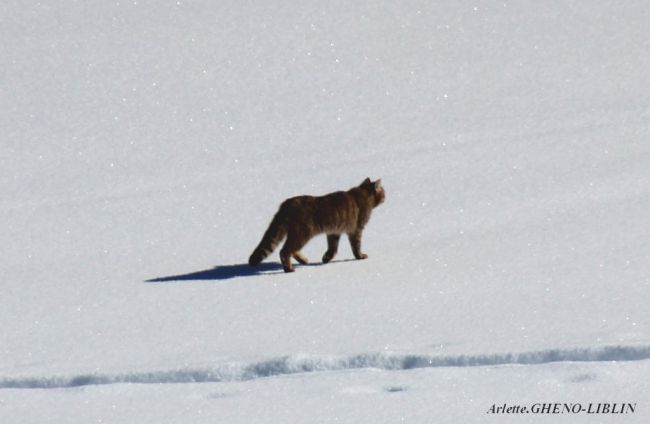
225,272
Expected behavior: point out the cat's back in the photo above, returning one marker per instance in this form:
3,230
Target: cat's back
336,212
337,199
331,212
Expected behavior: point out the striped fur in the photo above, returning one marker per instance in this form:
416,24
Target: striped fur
303,217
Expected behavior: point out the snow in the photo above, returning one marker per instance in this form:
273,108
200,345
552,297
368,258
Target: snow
146,146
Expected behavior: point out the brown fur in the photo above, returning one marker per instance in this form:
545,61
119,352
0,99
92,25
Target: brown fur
303,217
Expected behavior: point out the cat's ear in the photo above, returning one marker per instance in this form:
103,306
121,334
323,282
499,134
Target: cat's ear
378,183
366,181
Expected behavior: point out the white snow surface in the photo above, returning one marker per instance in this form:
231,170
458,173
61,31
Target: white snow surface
146,146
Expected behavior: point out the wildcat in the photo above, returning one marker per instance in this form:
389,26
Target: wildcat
303,217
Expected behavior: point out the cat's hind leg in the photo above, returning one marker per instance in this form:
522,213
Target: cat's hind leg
332,247
300,258
291,247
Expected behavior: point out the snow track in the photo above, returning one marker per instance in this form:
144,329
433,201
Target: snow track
307,364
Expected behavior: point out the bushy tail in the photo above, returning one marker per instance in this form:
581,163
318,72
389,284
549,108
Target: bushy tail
272,237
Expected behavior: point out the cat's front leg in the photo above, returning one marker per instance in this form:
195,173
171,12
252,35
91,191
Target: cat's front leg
332,247
355,243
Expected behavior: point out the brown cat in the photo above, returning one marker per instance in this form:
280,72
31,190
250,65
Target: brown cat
301,218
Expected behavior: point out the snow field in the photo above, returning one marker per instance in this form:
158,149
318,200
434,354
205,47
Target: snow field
146,147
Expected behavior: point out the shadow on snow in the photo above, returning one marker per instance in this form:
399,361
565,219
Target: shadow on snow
225,272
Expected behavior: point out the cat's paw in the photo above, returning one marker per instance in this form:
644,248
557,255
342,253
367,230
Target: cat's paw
362,256
327,257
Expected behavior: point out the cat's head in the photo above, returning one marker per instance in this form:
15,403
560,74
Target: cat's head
376,189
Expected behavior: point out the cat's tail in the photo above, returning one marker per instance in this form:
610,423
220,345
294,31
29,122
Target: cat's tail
272,237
